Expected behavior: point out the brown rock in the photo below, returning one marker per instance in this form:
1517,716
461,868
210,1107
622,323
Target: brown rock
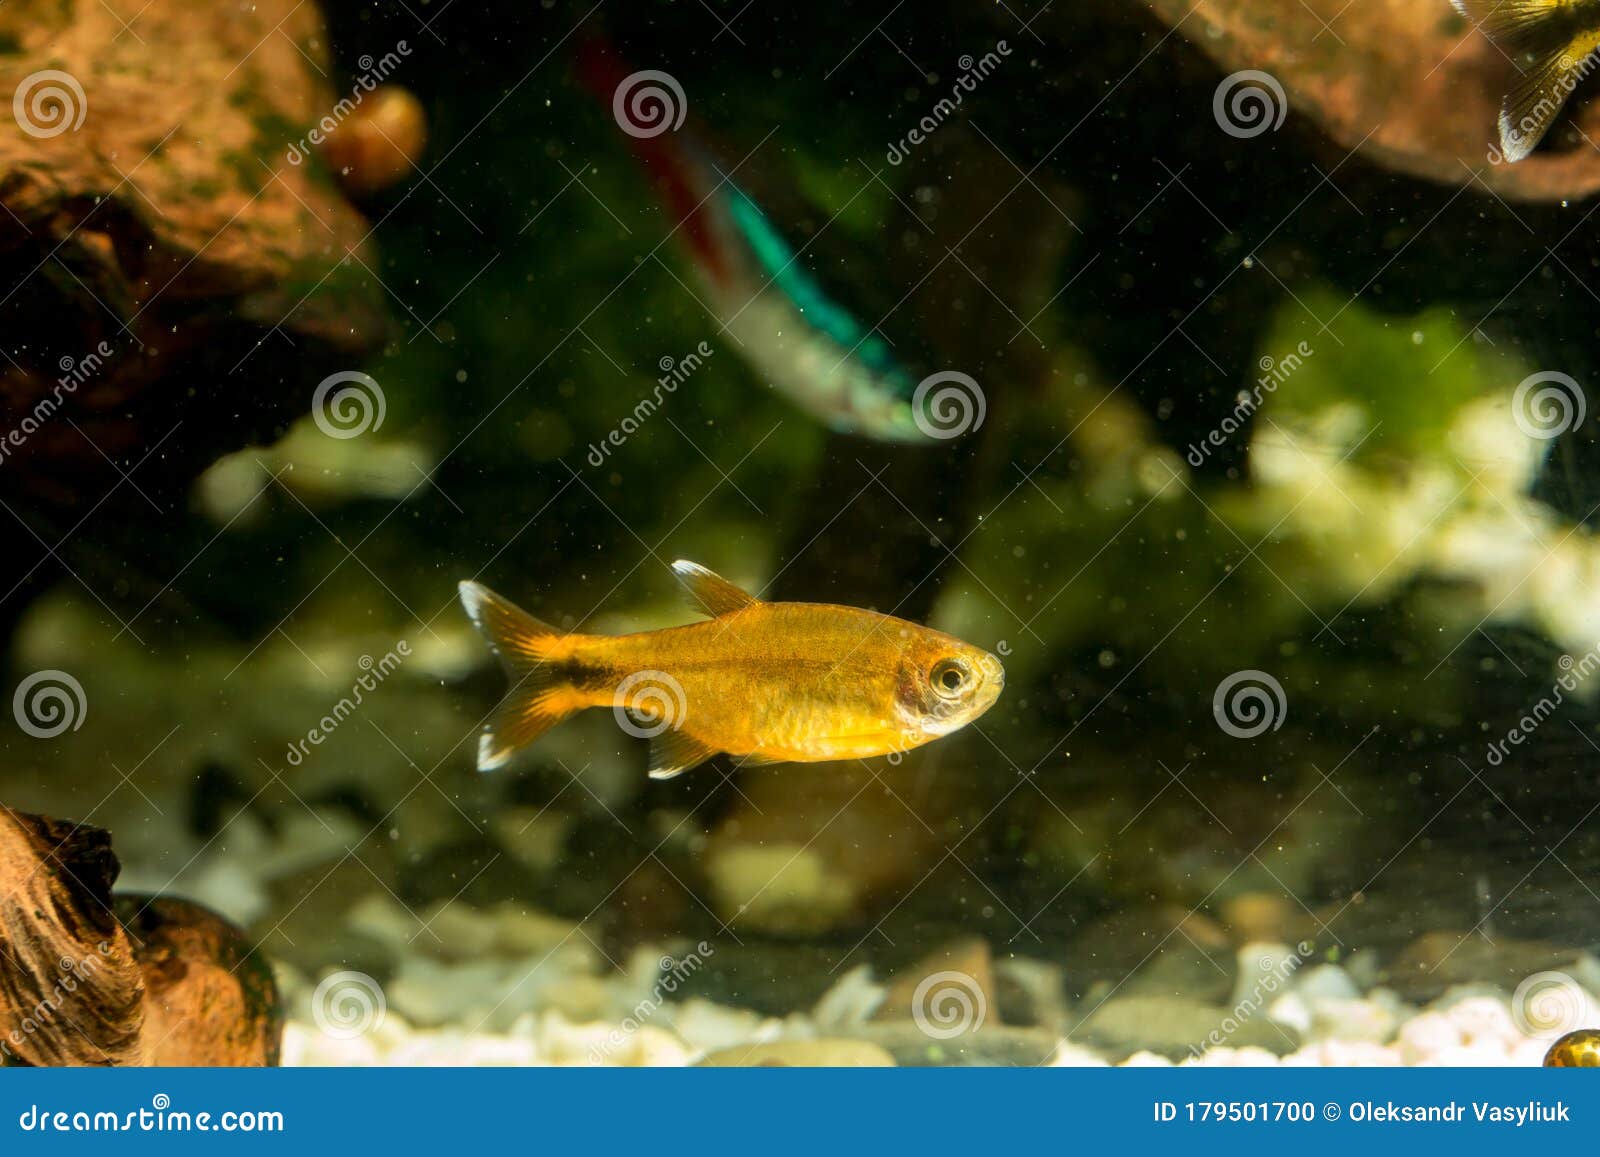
379,145
832,1054
1264,916
1175,1027
1003,1046
951,988
1436,960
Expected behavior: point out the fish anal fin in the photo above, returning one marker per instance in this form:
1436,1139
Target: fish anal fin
709,591
674,752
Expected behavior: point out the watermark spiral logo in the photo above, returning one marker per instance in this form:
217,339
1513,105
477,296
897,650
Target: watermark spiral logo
348,404
948,1004
649,703
1548,404
348,1004
649,103
948,404
1249,703
49,103
1549,1004
49,703
1250,103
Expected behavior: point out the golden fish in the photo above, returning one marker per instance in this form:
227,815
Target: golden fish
1552,43
765,682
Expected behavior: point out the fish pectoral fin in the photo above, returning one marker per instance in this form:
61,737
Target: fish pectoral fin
674,752
710,592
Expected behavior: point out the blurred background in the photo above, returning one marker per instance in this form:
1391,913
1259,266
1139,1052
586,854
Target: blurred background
1274,491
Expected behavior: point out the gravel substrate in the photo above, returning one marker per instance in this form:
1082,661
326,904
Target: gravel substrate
514,989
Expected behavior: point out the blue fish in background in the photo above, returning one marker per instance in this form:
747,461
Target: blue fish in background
785,322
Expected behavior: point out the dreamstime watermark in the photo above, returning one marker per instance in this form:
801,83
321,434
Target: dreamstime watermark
42,1014
674,372
49,703
1249,103
1548,404
348,1004
74,372
972,71
673,975
1275,971
1550,1004
1274,372
649,703
1573,673
376,673
373,73
649,103
1520,137
155,1119
948,1004
348,404
948,404
1249,703
48,103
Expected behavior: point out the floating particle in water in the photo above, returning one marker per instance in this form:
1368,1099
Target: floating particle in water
1576,1050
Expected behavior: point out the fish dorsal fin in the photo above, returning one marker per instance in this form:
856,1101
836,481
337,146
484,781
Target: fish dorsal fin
709,591
674,752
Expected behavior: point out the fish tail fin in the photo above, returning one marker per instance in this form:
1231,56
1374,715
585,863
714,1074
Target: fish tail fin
541,693
1550,49
1533,104
1511,23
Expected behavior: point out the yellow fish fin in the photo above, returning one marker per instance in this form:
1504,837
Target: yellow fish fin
709,591
1551,44
674,752
539,698
1512,23
1531,107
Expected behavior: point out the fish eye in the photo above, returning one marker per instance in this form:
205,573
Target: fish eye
949,677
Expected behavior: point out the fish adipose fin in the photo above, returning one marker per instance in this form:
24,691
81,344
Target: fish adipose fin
710,592
539,698
1550,51
674,752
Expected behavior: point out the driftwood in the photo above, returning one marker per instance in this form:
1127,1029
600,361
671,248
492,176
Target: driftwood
88,980
172,283
1408,81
